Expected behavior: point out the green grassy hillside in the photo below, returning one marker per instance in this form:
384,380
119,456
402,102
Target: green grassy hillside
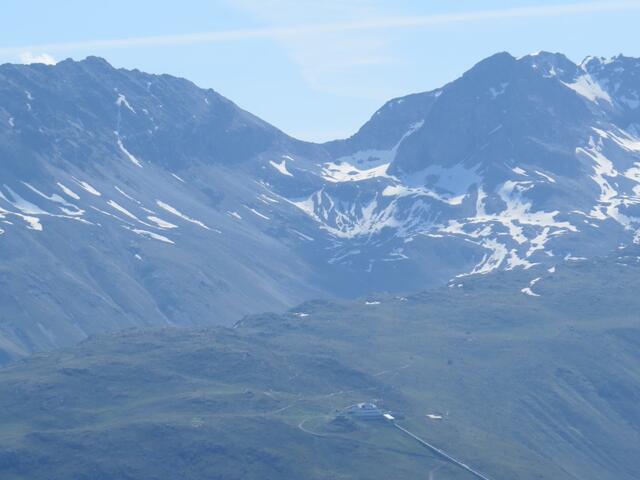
528,387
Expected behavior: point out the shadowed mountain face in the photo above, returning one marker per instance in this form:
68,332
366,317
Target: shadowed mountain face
521,387
132,199
146,200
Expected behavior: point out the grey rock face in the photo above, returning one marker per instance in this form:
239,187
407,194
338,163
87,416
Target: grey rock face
126,199
132,199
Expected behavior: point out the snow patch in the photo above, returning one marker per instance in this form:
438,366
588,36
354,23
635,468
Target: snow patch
367,220
122,210
85,186
161,223
344,169
152,235
491,261
126,152
252,210
497,91
124,194
122,100
302,235
68,191
545,176
176,212
33,223
587,87
528,290
23,205
70,208
281,167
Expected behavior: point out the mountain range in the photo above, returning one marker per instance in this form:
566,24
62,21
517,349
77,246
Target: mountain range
130,200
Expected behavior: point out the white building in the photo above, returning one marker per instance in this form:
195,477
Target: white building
365,410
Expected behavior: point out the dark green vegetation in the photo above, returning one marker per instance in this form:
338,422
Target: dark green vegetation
531,388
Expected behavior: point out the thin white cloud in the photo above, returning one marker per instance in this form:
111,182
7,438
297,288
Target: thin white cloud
344,62
319,29
28,58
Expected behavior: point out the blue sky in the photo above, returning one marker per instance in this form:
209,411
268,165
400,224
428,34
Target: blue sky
315,69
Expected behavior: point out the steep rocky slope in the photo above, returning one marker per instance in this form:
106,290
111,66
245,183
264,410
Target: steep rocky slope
145,200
